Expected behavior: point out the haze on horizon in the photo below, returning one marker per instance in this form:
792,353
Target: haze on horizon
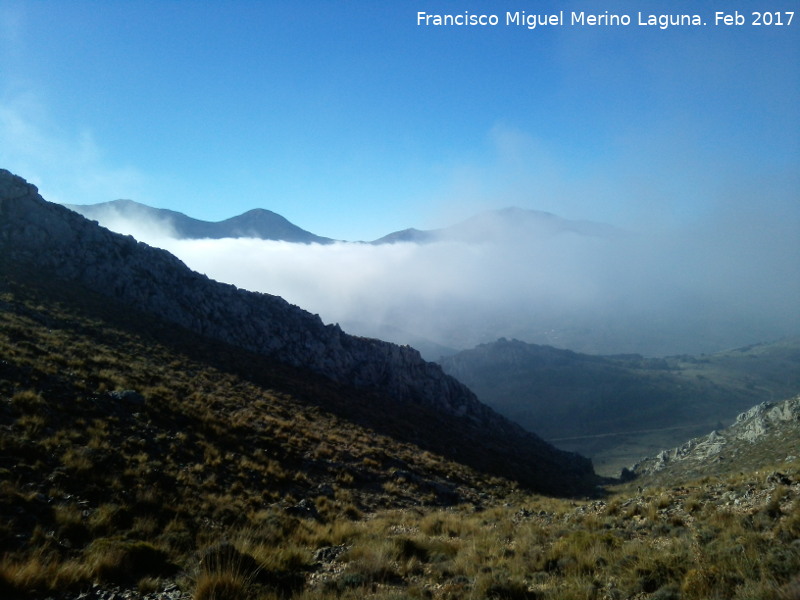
352,121
729,281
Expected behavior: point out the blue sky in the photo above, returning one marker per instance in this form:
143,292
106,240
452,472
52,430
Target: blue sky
352,121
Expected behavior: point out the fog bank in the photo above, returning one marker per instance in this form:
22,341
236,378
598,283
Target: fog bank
673,290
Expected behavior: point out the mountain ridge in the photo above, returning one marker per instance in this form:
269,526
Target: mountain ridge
265,224
491,225
257,223
192,482
53,238
142,460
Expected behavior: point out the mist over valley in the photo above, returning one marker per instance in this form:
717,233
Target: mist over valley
516,273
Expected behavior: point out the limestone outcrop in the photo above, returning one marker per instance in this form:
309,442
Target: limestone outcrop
765,422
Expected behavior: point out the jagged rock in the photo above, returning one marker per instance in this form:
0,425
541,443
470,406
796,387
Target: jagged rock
779,478
305,508
58,241
750,427
758,420
329,554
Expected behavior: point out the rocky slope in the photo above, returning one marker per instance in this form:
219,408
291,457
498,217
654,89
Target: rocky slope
53,239
767,431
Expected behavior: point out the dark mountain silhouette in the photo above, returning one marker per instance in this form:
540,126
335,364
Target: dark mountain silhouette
500,225
257,223
57,242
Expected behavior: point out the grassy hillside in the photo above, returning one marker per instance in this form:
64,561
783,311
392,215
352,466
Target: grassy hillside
618,409
111,437
145,462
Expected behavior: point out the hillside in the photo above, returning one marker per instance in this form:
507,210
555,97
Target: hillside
118,427
618,409
58,243
140,461
757,437
257,223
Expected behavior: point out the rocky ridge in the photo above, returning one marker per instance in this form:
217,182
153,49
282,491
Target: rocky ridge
767,424
48,236
56,240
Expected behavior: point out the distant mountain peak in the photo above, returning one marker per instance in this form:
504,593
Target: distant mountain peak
258,223
502,225
516,211
491,226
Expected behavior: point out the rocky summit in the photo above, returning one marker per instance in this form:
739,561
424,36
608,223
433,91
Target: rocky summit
57,241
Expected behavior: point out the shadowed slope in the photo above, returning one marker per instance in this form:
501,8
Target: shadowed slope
64,245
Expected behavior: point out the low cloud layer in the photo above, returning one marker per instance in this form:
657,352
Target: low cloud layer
696,289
